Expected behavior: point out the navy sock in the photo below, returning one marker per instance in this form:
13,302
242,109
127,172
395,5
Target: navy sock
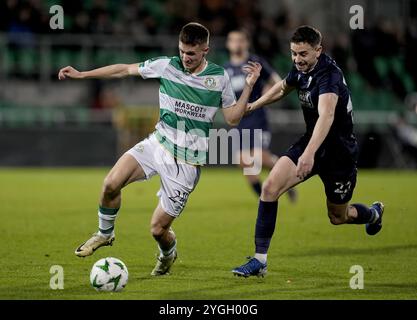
265,225
365,214
257,187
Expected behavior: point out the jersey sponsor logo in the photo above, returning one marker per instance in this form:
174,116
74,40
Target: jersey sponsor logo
210,83
305,99
189,109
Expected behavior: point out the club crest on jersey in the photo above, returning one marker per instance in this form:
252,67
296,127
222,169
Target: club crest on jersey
210,83
139,147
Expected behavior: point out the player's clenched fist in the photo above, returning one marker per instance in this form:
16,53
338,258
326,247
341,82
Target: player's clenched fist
69,72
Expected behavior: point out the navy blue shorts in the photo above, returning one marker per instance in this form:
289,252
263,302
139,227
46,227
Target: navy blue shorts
335,165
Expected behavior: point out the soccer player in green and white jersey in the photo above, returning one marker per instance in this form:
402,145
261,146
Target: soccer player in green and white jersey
192,90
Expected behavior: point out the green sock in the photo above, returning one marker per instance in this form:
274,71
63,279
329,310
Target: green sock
106,218
170,250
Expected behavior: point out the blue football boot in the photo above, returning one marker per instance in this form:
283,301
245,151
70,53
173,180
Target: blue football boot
374,228
252,268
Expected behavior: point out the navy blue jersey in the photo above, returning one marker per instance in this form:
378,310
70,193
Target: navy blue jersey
256,119
326,77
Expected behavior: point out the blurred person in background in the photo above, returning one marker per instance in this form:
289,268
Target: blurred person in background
238,44
404,129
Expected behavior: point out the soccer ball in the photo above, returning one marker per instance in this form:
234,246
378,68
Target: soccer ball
109,274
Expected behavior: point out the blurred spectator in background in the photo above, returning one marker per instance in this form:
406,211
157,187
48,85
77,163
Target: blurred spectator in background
180,12
383,53
101,22
407,136
104,97
411,49
216,15
405,129
341,52
266,41
363,44
377,52
238,44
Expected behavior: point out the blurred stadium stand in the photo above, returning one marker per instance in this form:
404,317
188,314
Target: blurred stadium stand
107,117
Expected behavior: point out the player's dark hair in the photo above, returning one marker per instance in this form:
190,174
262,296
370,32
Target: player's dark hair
194,33
307,34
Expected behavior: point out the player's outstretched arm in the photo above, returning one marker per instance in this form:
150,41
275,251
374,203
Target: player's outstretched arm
277,92
234,113
111,71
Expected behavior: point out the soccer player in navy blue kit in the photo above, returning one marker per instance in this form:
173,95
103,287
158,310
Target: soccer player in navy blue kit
328,148
238,44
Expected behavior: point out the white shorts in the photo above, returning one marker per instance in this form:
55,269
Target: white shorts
178,179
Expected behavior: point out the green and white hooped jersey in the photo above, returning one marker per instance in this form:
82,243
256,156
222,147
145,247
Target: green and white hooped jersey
188,104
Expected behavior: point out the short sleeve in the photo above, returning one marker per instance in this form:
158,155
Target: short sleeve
153,68
329,83
228,95
291,78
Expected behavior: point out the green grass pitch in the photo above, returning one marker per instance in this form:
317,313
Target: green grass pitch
47,213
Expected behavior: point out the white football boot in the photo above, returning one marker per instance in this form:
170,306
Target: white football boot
92,244
164,264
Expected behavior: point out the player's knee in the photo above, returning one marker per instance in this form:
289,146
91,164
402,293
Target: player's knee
336,219
110,186
269,190
157,230
338,214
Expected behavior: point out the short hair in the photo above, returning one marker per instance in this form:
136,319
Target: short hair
307,34
194,33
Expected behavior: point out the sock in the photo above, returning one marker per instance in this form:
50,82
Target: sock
265,225
257,187
167,251
106,217
365,214
261,257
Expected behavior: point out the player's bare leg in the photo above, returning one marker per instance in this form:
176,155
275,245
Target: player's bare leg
125,171
357,214
268,161
162,232
281,178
